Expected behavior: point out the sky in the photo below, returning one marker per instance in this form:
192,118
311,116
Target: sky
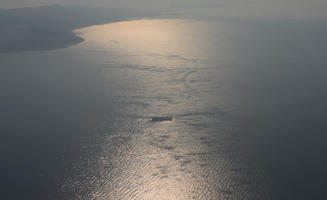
290,9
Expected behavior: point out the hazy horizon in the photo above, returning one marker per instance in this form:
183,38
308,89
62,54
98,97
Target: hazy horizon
254,9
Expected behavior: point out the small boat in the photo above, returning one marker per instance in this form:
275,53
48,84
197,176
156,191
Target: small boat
162,119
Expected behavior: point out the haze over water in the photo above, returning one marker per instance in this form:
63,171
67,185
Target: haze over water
247,100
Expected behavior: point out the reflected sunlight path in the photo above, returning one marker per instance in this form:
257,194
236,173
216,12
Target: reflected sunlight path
166,68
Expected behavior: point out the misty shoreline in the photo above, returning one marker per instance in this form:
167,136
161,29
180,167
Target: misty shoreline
51,27
49,40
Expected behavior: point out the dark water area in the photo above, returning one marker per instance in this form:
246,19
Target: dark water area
287,132
244,104
47,108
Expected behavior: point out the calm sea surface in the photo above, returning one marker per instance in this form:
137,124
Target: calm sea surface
247,98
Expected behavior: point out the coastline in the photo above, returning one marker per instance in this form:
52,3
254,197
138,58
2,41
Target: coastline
51,27
40,42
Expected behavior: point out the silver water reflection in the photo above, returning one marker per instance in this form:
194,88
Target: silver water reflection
166,68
